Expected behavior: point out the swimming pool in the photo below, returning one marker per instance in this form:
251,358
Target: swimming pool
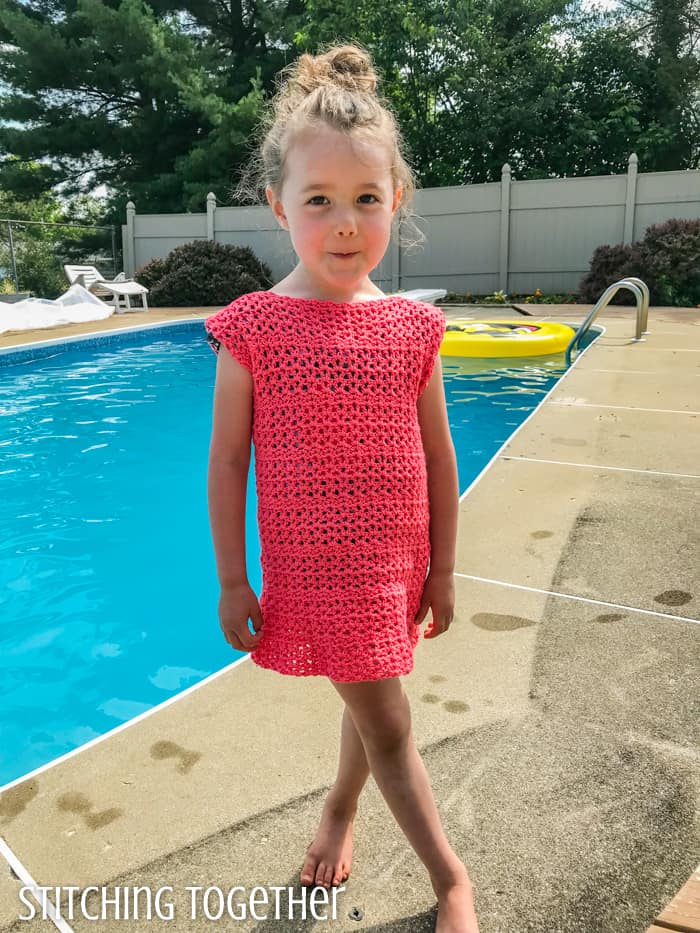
108,590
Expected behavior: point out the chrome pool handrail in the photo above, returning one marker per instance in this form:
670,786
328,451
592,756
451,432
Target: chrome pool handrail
641,292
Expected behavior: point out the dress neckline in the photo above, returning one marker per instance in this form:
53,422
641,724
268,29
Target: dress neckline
328,301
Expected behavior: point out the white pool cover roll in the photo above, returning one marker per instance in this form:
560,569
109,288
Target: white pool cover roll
73,306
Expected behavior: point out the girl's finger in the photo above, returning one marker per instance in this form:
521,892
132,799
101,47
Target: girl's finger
421,614
243,635
232,640
437,627
256,619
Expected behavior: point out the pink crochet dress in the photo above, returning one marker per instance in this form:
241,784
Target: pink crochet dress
343,511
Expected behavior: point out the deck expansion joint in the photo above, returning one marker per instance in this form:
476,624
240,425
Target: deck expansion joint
582,599
42,899
600,466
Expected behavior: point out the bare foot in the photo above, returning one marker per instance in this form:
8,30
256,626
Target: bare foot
329,856
456,909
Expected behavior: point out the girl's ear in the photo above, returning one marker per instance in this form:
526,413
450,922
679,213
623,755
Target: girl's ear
397,199
277,208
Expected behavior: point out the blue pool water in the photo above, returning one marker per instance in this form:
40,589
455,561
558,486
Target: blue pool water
108,589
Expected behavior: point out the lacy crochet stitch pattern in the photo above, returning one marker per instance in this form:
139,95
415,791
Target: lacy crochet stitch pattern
341,479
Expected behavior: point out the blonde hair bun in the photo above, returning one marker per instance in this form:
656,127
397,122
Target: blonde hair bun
348,66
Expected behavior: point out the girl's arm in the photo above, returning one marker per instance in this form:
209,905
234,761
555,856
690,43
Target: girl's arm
229,462
443,480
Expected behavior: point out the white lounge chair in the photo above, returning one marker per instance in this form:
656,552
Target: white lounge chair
119,289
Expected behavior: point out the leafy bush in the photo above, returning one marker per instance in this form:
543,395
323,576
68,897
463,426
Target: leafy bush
151,274
667,259
203,273
670,256
610,264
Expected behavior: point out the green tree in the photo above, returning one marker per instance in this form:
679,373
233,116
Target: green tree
544,85
113,95
159,102
667,32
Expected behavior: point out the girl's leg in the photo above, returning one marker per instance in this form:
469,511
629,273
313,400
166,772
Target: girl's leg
382,717
329,856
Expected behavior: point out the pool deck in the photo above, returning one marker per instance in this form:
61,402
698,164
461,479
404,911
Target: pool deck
558,718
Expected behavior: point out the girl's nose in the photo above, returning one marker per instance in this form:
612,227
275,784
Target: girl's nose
345,223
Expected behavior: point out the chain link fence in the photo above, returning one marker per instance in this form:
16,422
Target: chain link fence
33,253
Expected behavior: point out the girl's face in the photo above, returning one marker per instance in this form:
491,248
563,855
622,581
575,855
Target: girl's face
337,202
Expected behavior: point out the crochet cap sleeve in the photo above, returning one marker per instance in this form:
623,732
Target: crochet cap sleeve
231,327
435,331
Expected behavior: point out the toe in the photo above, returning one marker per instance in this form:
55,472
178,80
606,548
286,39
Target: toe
320,873
308,871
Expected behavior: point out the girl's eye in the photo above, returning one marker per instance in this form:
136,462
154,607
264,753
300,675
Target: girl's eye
317,198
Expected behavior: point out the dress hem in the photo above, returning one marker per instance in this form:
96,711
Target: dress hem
279,669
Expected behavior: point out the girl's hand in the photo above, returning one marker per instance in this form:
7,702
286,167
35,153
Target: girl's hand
236,604
438,595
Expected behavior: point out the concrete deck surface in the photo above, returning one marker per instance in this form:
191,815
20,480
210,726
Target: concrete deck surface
558,718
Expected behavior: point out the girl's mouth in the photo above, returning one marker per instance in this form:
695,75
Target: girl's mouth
344,255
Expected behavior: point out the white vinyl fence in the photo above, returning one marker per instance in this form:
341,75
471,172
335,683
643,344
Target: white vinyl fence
514,235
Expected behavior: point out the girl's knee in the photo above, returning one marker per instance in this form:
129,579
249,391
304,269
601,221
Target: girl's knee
388,730
384,723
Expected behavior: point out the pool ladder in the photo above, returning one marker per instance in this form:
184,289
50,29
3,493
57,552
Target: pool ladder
640,292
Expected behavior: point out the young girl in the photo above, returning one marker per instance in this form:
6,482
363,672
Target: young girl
340,389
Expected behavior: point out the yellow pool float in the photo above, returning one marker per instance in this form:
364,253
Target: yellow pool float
464,337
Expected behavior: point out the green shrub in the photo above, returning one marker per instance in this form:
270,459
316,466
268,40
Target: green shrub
667,259
151,274
203,273
609,264
670,256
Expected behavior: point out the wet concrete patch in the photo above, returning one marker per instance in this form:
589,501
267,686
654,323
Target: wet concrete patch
637,674
15,800
563,825
387,883
184,758
613,538
673,598
592,832
497,622
78,803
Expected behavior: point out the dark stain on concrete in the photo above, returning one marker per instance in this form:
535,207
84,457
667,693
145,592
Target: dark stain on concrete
541,534
102,818
570,441
673,598
497,622
437,679
455,706
167,749
15,800
430,698
610,617
75,802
